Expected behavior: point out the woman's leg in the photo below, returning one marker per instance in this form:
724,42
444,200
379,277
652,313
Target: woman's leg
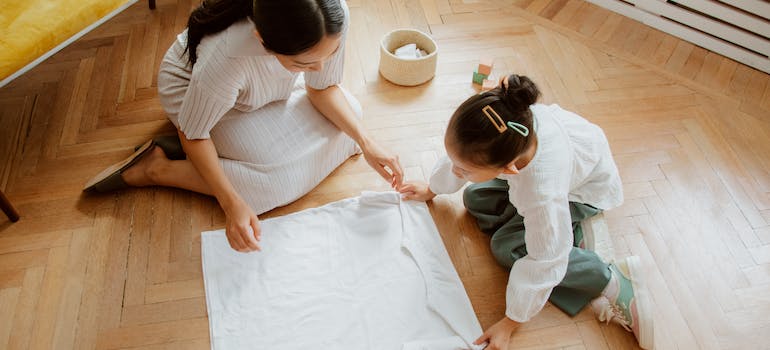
280,152
154,169
587,275
272,155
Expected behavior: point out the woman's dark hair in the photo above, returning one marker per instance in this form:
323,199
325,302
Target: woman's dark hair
287,27
476,132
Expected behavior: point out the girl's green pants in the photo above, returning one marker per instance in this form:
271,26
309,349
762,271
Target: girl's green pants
587,274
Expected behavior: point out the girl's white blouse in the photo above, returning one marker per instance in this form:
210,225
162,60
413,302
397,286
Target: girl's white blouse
573,163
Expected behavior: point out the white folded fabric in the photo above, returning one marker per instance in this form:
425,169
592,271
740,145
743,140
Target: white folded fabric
363,273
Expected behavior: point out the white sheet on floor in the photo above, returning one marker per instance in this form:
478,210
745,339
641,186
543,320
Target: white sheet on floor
363,273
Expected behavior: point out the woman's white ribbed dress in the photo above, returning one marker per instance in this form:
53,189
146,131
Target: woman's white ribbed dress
274,146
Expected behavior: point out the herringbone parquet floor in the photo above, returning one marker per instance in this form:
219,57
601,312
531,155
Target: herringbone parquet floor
689,130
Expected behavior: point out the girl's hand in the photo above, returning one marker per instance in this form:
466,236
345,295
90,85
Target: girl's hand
499,335
385,163
242,228
416,190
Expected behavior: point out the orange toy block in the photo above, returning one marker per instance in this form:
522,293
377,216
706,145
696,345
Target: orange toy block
485,65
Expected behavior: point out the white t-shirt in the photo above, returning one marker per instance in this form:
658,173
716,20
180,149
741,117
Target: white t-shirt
364,273
573,163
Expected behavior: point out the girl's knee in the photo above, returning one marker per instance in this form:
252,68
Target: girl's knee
471,198
480,195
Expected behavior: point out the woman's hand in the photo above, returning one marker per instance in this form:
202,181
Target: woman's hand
385,163
416,190
499,335
333,105
242,228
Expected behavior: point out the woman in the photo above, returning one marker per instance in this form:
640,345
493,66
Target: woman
255,133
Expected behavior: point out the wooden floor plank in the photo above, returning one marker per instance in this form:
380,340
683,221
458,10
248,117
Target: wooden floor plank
51,294
25,315
689,130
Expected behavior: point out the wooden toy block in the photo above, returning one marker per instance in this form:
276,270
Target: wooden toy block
485,65
478,78
488,84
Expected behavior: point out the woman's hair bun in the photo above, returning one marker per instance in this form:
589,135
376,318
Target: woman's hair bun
520,92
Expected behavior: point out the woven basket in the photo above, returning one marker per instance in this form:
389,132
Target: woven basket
407,72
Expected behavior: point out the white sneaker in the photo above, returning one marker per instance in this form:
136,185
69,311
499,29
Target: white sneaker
625,301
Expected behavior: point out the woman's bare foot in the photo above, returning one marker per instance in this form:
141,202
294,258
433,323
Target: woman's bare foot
146,170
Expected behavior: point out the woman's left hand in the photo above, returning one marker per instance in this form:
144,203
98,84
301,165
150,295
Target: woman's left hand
385,163
499,335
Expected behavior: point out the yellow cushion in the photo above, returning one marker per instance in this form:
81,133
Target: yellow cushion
31,28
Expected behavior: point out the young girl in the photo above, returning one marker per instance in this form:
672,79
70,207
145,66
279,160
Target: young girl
537,171
252,132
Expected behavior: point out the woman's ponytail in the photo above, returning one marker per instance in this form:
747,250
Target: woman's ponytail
211,17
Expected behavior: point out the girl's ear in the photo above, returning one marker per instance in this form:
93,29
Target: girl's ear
511,168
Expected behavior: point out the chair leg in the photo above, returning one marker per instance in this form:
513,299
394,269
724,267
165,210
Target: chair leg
152,4
5,204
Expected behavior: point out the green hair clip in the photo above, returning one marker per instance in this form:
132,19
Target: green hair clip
519,128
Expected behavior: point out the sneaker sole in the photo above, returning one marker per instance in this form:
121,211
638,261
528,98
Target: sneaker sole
597,237
646,329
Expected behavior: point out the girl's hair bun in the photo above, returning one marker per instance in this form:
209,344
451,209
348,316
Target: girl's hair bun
520,92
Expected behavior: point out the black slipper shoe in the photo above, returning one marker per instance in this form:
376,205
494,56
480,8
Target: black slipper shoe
171,146
111,179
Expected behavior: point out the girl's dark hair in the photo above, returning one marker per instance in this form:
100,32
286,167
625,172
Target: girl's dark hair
287,27
478,139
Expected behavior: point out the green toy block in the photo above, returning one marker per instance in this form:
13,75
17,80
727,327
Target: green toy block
478,78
